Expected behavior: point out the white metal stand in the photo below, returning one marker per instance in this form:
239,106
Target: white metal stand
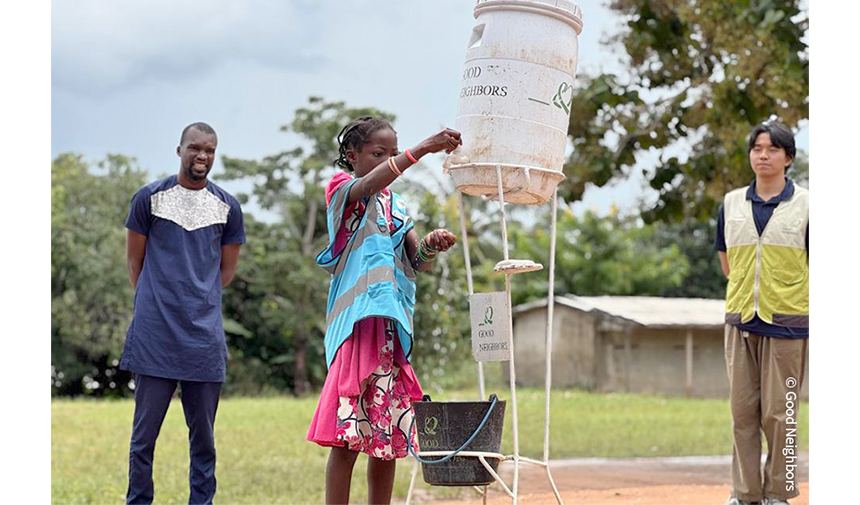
509,267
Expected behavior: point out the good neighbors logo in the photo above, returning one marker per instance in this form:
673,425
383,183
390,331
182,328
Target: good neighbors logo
563,98
789,450
490,326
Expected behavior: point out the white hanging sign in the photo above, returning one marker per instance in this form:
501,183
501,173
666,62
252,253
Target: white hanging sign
490,326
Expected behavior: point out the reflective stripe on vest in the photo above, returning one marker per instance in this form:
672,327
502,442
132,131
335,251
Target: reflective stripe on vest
768,274
371,276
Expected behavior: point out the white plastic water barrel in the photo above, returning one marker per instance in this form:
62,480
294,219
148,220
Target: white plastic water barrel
515,98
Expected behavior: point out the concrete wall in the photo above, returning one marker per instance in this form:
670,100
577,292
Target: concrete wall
655,361
603,355
573,348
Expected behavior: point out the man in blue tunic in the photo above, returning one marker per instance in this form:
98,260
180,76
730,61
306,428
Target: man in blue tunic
184,234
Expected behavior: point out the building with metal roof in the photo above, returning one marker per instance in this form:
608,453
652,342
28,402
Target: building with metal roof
671,346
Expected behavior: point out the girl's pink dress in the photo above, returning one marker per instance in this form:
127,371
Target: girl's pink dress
366,401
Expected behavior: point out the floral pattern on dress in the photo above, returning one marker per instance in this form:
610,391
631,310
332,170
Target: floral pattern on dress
377,421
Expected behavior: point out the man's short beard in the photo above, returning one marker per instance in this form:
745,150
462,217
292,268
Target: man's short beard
189,172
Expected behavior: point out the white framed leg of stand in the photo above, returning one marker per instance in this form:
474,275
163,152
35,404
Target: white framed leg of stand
513,491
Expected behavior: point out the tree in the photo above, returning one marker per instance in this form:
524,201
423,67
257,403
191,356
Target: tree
799,171
695,240
91,298
595,255
701,74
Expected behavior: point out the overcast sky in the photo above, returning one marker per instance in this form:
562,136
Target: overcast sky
128,76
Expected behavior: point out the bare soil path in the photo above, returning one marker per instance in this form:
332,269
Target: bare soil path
694,480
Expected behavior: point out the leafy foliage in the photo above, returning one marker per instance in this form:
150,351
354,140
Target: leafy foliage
701,74
90,292
602,256
695,240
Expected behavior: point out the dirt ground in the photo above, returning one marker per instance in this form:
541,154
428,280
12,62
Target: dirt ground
698,480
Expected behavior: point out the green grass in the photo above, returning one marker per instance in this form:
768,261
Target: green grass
263,456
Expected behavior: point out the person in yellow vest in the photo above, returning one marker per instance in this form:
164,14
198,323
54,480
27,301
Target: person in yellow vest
763,244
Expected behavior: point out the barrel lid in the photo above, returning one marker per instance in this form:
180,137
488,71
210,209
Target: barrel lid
566,10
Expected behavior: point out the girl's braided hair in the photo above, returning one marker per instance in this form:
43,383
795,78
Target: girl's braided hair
355,134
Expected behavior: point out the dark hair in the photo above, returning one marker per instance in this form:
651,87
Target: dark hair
355,134
203,127
780,136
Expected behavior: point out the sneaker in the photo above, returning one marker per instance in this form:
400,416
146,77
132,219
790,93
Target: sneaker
774,501
736,501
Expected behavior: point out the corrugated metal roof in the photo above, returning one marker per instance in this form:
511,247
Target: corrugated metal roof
649,311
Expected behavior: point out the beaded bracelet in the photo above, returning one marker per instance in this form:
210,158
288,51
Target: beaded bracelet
426,254
393,166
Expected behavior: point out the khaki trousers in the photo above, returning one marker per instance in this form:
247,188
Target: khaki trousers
765,377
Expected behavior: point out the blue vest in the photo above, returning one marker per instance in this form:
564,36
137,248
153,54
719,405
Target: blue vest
372,275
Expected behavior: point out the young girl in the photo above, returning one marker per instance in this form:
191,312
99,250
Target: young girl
373,253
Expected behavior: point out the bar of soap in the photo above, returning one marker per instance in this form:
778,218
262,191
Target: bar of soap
517,266
457,157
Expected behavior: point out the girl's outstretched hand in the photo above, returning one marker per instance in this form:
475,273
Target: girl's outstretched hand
446,140
440,240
